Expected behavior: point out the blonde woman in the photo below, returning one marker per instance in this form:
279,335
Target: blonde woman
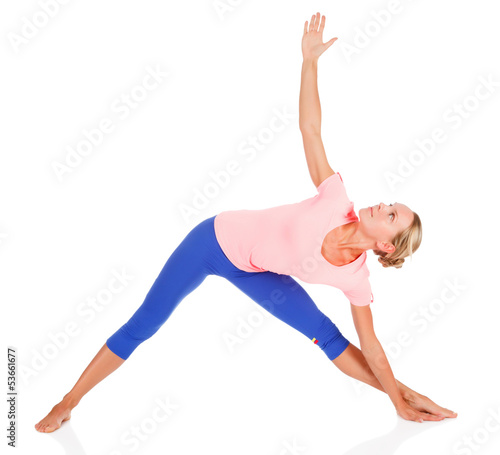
318,240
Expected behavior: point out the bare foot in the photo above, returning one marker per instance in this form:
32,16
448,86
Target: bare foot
422,403
59,414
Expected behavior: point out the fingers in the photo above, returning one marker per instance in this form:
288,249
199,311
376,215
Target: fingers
424,403
322,24
432,417
420,416
313,21
329,43
444,411
417,416
315,24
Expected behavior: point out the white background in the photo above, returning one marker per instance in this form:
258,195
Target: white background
120,209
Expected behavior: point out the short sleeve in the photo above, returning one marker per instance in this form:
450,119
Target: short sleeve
332,185
362,295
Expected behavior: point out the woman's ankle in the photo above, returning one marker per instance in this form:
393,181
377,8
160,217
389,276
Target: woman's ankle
70,400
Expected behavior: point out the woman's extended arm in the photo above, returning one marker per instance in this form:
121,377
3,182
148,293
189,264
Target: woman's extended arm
353,363
312,48
377,360
309,106
378,363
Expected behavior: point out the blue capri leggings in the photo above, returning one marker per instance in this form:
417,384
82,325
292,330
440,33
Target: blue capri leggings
200,255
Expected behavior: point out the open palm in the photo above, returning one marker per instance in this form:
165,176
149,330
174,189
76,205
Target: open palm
312,40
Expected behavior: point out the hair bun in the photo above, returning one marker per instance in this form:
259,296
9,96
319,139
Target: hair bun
390,262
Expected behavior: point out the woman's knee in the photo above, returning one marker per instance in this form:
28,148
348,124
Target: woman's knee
330,339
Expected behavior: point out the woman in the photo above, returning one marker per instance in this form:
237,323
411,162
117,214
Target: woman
318,240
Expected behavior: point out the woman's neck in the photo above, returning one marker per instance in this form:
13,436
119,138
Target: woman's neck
346,240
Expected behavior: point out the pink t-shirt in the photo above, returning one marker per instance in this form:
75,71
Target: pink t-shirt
287,240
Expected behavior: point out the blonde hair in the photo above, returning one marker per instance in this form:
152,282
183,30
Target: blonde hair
406,243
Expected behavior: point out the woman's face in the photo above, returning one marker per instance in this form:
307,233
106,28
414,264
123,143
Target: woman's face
383,222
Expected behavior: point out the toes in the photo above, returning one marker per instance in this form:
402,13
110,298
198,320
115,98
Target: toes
48,425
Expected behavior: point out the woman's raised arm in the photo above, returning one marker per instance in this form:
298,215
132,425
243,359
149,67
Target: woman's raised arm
312,48
309,105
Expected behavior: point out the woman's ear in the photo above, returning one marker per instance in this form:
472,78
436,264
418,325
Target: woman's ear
387,247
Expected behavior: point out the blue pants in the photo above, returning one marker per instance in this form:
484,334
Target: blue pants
200,255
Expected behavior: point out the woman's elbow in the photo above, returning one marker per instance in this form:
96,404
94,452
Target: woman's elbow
370,346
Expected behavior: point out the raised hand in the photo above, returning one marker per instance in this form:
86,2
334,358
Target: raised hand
312,40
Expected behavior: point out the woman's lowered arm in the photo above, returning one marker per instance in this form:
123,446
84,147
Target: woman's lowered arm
377,360
309,105
352,362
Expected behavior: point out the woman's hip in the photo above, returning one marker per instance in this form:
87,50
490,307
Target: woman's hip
203,249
